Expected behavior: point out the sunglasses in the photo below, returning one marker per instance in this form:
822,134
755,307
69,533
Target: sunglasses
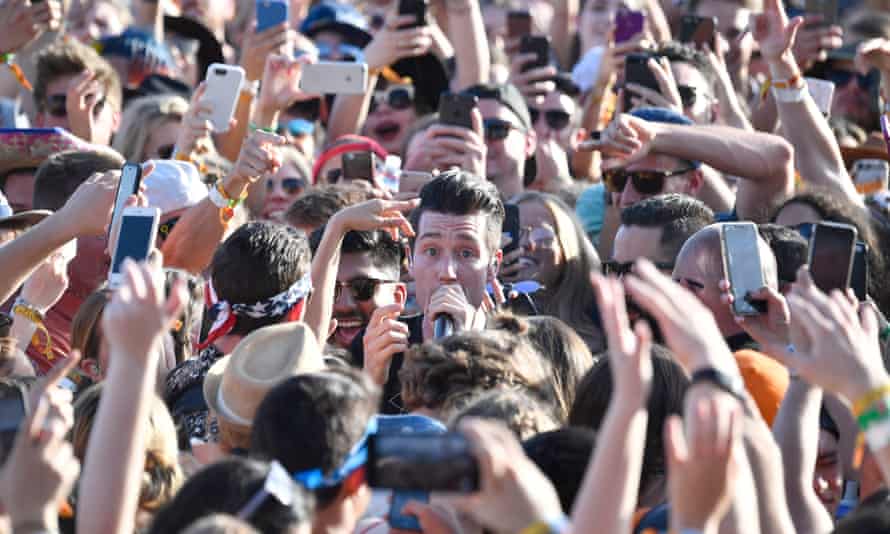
57,107
843,77
362,289
290,186
645,182
556,119
498,129
397,98
540,236
619,269
297,128
165,151
689,95
343,52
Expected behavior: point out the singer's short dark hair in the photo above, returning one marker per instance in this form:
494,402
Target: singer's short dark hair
457,192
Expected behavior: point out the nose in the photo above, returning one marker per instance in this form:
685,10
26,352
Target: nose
447,269
344,301
629,195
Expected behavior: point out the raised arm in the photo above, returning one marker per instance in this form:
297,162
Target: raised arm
608,496
191,244
134,322
563,29
818,157
466,31
85,214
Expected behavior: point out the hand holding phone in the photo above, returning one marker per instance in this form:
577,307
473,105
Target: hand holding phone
456,109
359,166
221,96
519,23
741,262
131,178
628,24
832,246
334,77
538,45
271,13
637,71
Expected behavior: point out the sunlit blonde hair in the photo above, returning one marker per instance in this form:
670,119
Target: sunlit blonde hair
141,117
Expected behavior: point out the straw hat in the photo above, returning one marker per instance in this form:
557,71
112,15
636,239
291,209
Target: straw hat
236,384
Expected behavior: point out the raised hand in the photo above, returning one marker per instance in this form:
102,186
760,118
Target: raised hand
257,47
377,214
83,96
773,30
688,326
47,283
629,350
89,208
874,53
24,21
533,82
771,329
452,301
281,84
839,350
453,146
139,313
258,157
385,337
194,136
42,468
814,40
703,464
392,42
625,139
668,96
513,493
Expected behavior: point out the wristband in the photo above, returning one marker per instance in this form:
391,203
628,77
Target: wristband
878,435
790,95
552,526
224,202
27,310
253,127
9,61
721,380
250,88
862,403
878,412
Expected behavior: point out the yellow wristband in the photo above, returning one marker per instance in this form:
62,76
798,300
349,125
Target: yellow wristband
862,403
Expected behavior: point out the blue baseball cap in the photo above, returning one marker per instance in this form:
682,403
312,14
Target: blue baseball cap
337,17
665,116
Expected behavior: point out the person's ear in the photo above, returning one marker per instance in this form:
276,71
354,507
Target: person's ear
531,142
400,294
696,182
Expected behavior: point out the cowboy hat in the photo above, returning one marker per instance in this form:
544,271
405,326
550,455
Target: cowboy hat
236,385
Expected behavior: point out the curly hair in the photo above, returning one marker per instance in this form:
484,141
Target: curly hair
442,375
522,412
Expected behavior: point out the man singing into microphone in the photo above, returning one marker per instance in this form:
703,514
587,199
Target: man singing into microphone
456,255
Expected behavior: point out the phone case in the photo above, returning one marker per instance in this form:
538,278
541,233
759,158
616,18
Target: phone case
741,262
114,279
270,13
457,110
358,166
535,44
825,259
334,77
223,85
628,24
414,7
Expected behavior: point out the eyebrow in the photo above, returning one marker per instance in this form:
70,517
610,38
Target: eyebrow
461,236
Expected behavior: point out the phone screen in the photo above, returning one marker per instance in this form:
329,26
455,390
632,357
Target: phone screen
441,462
538,45
831,255
628,23
414,7
358,166
859,272
131,175
12,411
134,240
511,226
741,258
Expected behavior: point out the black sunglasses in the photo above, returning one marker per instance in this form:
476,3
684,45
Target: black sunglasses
689,95
362,289
497,129
57,107
619,269
166,151
645,182
291,186
556,118
397,98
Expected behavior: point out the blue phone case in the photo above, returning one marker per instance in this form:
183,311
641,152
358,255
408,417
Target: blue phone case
399,520
270,13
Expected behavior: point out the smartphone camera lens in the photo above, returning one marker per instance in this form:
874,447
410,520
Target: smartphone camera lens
220,72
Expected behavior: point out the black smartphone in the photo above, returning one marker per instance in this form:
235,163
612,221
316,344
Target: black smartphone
859,272
131,177
698,31
519,23
418,8
5,324
358,166
538,45
456,109
831,255
636,70
422,462
741,262
829,10
511,227
13,409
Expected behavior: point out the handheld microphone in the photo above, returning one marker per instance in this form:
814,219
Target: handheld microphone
443,325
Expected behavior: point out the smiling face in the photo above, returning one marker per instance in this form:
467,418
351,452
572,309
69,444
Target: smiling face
452,249
352,314
542,256
282,189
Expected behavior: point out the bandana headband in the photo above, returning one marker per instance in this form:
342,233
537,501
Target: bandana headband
275,306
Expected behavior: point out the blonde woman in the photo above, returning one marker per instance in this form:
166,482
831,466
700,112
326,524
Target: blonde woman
554,252
150,127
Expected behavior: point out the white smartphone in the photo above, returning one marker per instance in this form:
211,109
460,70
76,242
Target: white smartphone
135,239
741,262
223,85
334,78
822,92
870,175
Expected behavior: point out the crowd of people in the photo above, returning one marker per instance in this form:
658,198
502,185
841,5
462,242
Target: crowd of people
490,287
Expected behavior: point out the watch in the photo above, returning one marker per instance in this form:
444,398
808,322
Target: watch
732,385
